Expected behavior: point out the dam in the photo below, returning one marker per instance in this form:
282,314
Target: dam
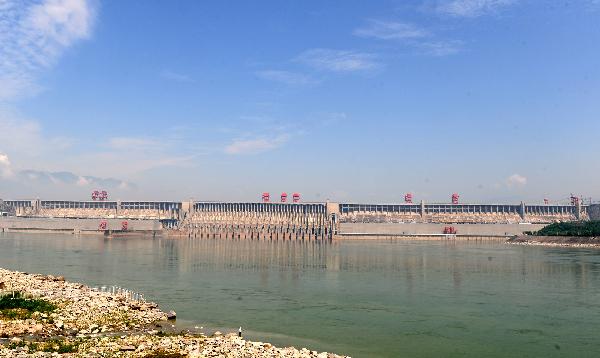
288,221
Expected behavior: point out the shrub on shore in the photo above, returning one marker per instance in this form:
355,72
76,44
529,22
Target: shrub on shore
582,228
15,305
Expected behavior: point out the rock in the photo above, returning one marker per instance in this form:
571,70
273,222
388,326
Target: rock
127,348
171,315
59,324
217,334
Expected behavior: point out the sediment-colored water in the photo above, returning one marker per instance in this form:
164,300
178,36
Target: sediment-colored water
375,298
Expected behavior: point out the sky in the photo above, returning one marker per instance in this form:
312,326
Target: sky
349,101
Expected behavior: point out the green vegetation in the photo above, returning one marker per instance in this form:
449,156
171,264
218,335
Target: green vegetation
51,346
59,346
17,306
583,228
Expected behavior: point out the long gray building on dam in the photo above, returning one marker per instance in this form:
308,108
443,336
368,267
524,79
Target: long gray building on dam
291,220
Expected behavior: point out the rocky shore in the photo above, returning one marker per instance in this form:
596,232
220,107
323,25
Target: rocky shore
88,323
556,241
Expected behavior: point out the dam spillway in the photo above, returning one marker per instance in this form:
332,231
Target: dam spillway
260,220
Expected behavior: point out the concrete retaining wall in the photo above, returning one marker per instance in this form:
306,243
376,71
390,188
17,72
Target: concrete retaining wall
408,229
75,225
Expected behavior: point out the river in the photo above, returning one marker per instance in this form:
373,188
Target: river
365,298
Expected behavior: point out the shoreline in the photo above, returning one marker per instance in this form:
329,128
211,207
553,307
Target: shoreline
556,241
418,237
96,323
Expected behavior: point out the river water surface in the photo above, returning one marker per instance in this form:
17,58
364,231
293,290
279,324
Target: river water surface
371,298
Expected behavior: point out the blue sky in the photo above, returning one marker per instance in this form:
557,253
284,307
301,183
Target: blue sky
498,100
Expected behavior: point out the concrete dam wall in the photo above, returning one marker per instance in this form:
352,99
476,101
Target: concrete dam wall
461,213
296,220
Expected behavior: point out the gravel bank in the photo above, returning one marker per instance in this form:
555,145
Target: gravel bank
556,241
88,323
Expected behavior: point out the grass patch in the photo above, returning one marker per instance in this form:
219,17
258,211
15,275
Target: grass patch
59,346
17,306
15,345
577,229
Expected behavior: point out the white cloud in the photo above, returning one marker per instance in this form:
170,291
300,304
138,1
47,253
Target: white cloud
132,143
471,8
255,145
516,180
18,135
440,48
338,60
389,30
5,166
410,36
176,77
33,35
131,156
69,179
286,77
25,142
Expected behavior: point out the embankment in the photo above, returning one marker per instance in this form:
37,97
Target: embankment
72,225
348,230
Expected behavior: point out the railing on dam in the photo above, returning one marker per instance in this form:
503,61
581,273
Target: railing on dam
62,204
304,208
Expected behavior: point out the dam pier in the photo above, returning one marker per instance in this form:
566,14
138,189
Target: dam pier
286,221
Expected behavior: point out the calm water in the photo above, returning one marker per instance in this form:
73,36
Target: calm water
363,298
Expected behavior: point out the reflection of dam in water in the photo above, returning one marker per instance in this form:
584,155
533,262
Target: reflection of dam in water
285,221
